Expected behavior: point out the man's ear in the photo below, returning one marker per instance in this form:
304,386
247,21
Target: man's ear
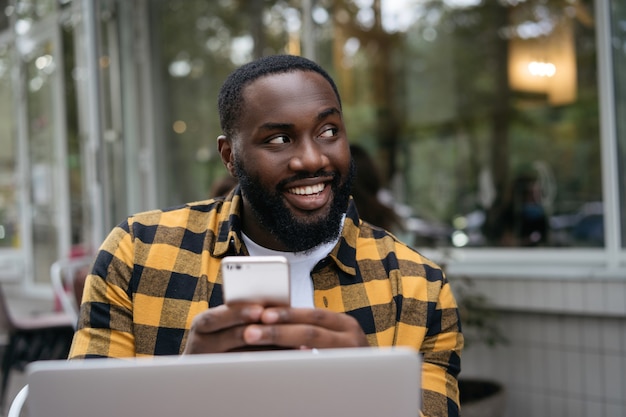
225,149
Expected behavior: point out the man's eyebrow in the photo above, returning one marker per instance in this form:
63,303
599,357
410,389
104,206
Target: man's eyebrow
275,126
328,112
285,126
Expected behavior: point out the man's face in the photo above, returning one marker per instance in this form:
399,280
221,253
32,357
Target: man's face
292,159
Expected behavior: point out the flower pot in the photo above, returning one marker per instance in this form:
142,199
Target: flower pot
481,398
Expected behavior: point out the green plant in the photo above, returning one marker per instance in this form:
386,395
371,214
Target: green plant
479,318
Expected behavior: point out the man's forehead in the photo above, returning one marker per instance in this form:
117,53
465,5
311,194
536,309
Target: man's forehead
281,82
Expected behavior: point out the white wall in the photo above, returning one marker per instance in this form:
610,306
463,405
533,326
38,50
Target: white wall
566,354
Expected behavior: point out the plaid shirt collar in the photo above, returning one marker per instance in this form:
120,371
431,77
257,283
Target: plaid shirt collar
229,241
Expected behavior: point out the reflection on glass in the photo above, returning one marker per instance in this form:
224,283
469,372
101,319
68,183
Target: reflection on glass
34,10
482,116
42,160
4,15
201,43
9,197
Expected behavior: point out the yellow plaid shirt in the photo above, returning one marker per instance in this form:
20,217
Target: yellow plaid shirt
158,269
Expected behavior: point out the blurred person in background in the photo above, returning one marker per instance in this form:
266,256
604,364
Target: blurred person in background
366,192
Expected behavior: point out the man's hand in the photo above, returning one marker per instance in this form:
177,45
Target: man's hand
302,328
221,328
235,327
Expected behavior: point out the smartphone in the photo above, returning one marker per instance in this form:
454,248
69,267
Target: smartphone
256,279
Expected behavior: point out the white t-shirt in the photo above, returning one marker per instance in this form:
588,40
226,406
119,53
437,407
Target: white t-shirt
300,266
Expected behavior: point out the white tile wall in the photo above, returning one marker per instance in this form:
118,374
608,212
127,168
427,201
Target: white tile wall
611,334
593,375
613,297
567,346
613,376
557,365
574,376
575,298
594,408
556,369
594,296
556,293
614,410
575,407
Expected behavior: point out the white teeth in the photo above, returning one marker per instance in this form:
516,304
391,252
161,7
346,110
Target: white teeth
308,190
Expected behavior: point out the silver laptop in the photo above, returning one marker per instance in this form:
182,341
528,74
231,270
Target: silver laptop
364,382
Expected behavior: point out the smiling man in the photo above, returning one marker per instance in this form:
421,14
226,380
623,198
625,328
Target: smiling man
155,288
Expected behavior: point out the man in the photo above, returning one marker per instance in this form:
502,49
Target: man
155,288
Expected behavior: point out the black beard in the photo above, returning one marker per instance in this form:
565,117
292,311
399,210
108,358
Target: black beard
272,213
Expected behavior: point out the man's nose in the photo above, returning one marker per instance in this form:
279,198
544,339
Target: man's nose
309,157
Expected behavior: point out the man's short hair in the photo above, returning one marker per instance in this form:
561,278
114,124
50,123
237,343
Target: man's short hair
230,99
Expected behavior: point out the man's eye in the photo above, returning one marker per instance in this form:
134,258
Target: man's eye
329,133
279,139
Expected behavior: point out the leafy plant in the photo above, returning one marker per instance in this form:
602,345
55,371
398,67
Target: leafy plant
479,318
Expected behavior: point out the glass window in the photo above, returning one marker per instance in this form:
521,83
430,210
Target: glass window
618,26
29,11
200,43
43,158
483,116
9,191
4,14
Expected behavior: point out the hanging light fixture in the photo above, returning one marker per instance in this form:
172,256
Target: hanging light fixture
542,60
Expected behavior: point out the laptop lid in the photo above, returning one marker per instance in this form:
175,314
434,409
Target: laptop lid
360,382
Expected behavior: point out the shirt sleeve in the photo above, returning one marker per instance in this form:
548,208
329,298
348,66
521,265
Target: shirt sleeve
441,351
106,318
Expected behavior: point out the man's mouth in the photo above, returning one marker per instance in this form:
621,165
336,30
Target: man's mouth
308,190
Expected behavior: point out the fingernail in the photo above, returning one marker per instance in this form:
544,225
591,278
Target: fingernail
252,334
271,316
253,312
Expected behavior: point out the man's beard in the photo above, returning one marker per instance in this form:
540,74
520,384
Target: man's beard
274,215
